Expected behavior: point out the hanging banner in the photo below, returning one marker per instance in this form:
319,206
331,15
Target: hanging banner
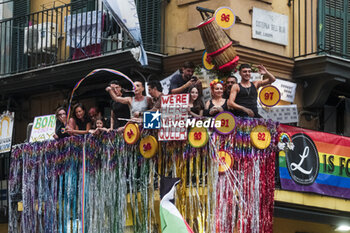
319,163
43,128
174,111
6,129
281,113
125,12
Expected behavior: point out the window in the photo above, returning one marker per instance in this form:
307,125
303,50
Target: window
334,27
149,12
6,12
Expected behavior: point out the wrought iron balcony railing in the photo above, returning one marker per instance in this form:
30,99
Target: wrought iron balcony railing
61,34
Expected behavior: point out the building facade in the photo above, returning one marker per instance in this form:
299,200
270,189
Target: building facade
309,49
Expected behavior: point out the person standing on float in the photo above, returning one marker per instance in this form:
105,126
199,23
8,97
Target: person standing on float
243,96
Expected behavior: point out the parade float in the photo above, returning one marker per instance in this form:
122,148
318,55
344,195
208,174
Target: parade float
112,182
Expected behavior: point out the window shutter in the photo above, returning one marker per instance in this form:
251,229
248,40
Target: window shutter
83,5
149,12
20,9
336,27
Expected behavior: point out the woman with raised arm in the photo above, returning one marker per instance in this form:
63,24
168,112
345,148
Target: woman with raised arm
138,104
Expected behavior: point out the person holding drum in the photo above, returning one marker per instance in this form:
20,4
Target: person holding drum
243,96
180,83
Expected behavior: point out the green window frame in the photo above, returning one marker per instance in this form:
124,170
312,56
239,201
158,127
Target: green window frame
149,12
334,27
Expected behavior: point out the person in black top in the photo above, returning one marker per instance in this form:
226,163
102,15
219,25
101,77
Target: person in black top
195,105
230,81
80,123
118,110
61,120
217,104
243,96
180,83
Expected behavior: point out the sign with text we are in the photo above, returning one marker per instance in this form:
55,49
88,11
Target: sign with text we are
174,108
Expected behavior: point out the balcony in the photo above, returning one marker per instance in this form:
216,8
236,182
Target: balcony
59,35
122,187
321,48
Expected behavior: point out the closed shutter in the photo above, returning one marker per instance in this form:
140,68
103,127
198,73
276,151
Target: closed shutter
83,5
149,12
20,10
335,31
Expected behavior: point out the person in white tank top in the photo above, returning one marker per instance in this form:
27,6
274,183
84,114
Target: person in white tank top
138,104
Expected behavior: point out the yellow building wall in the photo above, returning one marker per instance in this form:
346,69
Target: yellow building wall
181,19
56,17
312,200
40,5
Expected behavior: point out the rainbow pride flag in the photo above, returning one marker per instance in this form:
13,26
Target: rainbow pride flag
319,163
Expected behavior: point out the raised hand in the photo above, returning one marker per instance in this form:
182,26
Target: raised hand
262,69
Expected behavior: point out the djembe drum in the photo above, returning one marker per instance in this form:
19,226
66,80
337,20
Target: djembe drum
218,45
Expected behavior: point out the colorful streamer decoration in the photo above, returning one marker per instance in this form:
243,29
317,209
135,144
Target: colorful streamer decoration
102,184
116,72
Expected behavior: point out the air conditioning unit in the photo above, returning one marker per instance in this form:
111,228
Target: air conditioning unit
40,38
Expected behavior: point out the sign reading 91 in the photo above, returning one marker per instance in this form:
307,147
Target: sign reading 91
228,123
269,96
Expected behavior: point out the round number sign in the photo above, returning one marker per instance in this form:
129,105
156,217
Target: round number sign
131,133
226,161
260,137
227,123
269,96
225,17
207,64
148,146
198,137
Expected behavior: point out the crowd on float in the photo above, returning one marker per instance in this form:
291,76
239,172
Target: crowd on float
238,98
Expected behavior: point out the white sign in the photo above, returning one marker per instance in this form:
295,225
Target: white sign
43,128
270,26
281,113
174,108
287,89
6,128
